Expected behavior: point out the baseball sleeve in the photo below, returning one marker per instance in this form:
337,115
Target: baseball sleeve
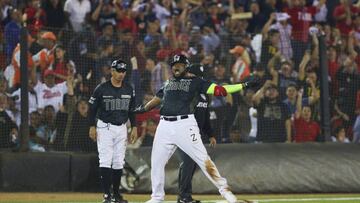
94,102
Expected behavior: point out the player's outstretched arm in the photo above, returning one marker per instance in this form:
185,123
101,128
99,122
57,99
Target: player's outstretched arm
218,90
154,102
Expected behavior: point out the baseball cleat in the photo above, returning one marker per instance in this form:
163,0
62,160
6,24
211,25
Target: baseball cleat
107,198
229,196
188,200
118,199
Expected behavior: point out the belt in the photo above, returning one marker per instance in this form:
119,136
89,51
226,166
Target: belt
174,118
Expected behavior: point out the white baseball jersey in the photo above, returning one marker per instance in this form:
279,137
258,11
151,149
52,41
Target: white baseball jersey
50,96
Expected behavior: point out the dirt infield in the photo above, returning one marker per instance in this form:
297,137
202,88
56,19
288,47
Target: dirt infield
138,198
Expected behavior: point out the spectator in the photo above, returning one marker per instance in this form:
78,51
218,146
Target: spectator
344,15
46,133
45,57
49,93
8,131
12,33
83,52
107,35
161,72
349,83
209,40
300,18
55,16
35,16
33,103
270,45
306,130
285,30
106,12
274,124
62,66
258,20
5,11
340,135
240,70
103,65
36,143
77,13
286,76
322,11
15,62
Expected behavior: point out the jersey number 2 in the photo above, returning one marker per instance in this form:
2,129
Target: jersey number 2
193,137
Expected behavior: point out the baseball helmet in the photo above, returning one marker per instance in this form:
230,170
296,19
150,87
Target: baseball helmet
180,58
119,65
196,69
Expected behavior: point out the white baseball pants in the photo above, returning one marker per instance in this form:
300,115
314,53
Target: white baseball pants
111,143
185,135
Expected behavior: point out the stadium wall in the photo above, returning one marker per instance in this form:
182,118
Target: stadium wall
249,168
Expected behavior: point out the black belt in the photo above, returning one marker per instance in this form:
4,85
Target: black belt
175,118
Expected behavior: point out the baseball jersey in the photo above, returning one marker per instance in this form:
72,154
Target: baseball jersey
181,95
50,95
112,104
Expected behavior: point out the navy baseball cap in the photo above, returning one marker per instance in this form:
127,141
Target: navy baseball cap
180,58
119,65
197,69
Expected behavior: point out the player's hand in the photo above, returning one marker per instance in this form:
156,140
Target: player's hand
212,142
133,135
92,133
252,83
140,109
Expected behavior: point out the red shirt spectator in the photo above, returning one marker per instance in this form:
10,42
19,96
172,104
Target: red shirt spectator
344,22
36,16
306,131
301,18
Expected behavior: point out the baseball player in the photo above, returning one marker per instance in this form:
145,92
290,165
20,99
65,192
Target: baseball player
188,166
112,102
178,128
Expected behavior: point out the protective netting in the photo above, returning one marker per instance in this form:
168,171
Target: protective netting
72,45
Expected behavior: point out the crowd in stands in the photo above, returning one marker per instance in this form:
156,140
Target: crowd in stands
72,43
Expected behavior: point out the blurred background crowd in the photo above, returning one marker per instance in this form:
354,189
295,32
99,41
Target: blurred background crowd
71,45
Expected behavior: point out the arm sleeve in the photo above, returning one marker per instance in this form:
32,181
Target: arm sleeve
229,88
131,113
94,102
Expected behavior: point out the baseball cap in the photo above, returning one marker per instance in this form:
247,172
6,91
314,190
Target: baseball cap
237,50
282,16
197,69
49,36
285,61
48,72
180,58
119,65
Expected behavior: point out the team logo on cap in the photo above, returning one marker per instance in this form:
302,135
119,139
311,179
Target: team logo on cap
176,58
121,65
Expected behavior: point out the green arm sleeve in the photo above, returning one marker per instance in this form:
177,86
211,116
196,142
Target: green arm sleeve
233,88
211,89
229,88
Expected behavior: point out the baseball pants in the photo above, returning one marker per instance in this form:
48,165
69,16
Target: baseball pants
186,173
111,142
182,133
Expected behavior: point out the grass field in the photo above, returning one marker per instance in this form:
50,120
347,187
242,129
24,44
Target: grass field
96,198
